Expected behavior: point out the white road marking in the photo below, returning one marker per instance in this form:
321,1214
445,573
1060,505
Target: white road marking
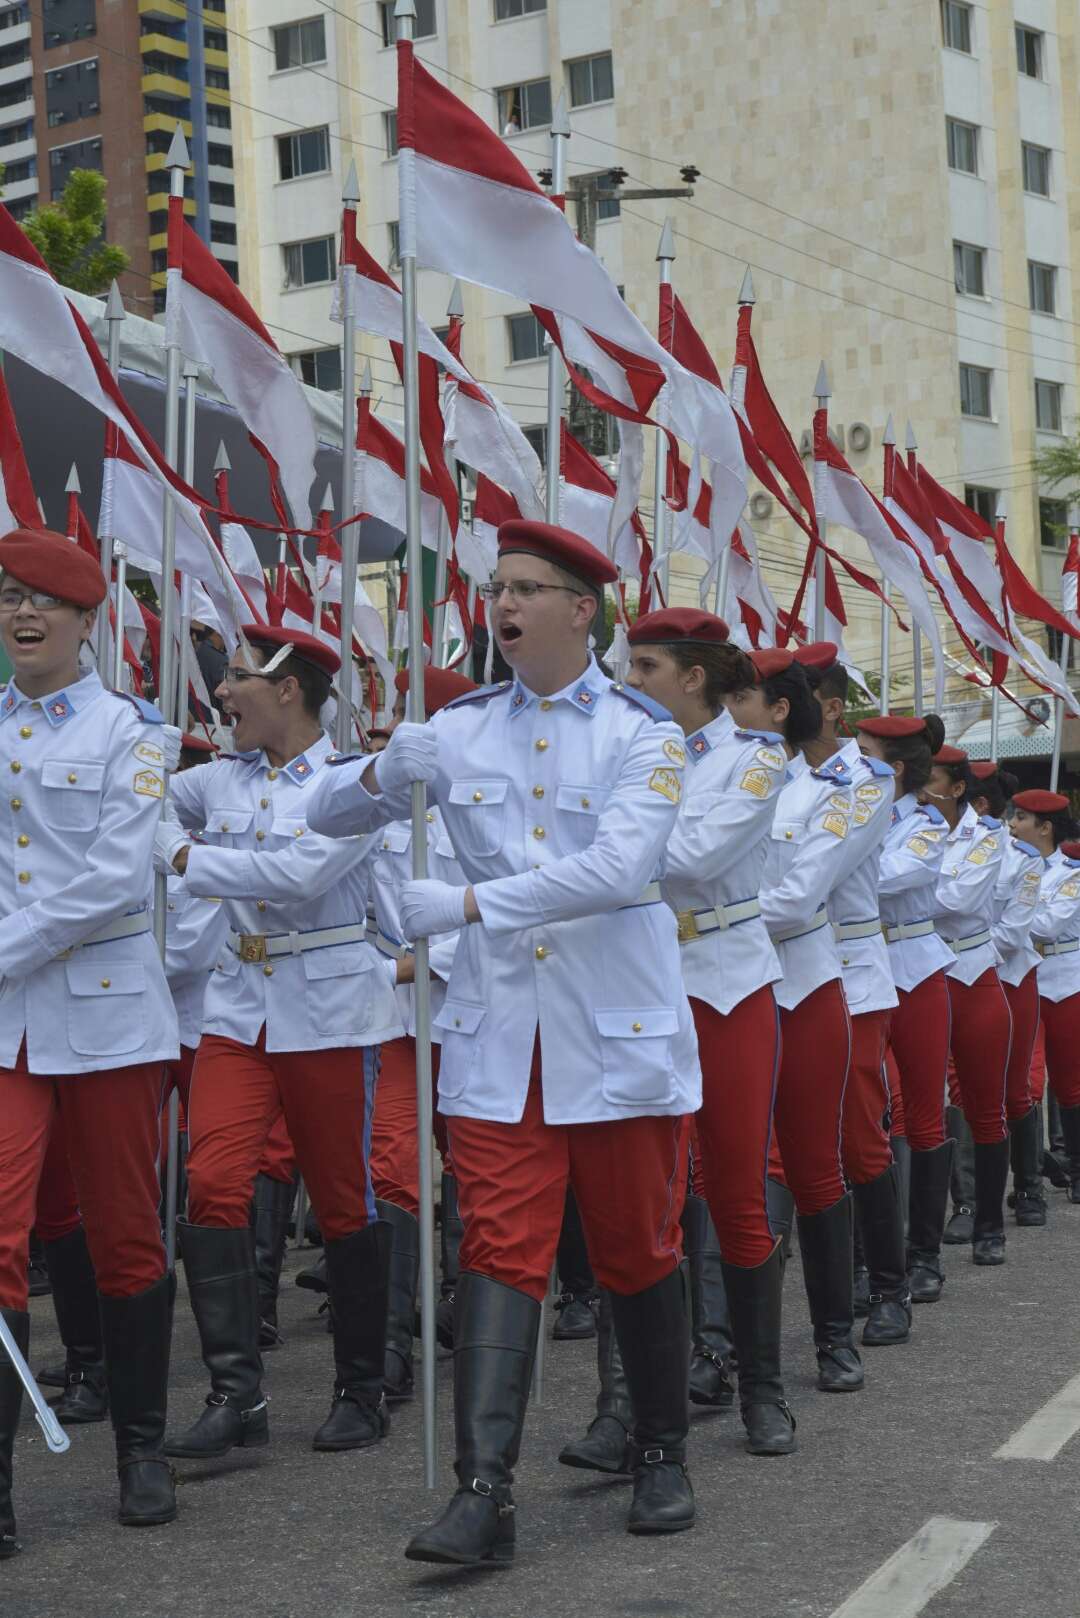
915,1573
1049,1429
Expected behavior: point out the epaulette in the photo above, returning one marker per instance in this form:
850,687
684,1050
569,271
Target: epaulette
482,693
1073,864
990,823
1026,848
935,816
348,758
877,766
145,710
769,736
655,710
835,770
237,758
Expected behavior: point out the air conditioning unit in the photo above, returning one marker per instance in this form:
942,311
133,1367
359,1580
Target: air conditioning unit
92,107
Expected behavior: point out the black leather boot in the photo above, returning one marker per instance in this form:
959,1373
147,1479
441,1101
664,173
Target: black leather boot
653,1338
401,1310
711,1344
754,1299
494,1345
1025,1156
930,1173
451,1230
272,1205
75,1299
606,1446
1055,1157
780,1207
860,1275
575,1314
137,1333
825,1242
358,1269
1070,1128
314,1278
881,1216
37,1271
961,1224
220,1269
11,1392
991,1178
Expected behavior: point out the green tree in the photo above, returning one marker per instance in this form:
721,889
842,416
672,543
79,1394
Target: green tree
1059,465
70,235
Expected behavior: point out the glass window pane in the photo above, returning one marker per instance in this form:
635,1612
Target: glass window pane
956,25
1036,170
603,77
1048,406
974,391
537,103
580,82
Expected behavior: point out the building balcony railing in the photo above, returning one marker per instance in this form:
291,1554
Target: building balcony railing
167,10
163,84
151,44
162,123
15,190
158,202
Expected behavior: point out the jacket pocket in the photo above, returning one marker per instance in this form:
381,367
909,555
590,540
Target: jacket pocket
338,1003
577,811
71,794
475,814
458,1022
105,1007
635,1047
228,822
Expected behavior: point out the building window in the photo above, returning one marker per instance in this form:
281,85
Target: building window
1029,52
591,79
218,156
425,20
222,231
12,55
310,263
20,14
14,173
12,94
524,106
982,501
222,195
956,26
506,9
975,391
218,117
299,44
527,337
1053,524
72,92
969,267
216,78
537,437
1048,406
963,143
320,368
15,133
306,153
64,20
393,231
1041,287
389,122
1036,169
215,40
79,154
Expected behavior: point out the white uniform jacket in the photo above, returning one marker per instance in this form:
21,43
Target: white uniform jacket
910,866
715,857
1016,893
85,774
559,809
393,866
195,931
806,856
964,897
1056,928
279,882
853,900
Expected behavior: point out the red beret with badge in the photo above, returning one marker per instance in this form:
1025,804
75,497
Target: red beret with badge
44,561
890,727
1038,802
678,624
440,687
274,638
560,547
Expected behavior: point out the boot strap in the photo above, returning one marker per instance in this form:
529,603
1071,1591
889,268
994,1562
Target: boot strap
146,1460
498,1493
364,1401
703,1353
657,1455
219,1400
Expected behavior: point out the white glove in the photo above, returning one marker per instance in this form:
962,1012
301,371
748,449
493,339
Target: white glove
168,838
412,755
430,907
170,746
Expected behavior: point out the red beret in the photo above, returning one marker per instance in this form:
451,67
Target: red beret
1071,851
771,662
382,731
440,687
1037,802
950,755
820,654
196,744
46,561
678,623
306,647
560,547
984,769
891,726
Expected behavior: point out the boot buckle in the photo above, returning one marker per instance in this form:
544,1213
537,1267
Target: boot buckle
486,1491
652,1457
246,1415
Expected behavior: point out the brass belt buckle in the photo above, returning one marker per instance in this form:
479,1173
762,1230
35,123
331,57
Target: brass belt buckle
688,927
252,948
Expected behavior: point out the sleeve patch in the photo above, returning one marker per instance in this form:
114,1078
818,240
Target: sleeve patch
836,823
919,846
667,783
1071,889
675,752
756,782
148,784
979,855
863,812
841,801
771,757
868,794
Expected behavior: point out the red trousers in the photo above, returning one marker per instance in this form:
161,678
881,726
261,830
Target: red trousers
57,1199
1023,999
1038,1063
740,1054
1061,1027
628,1175
278,1159
810,1096
866,1150
981,1037
237,1094
919,1032
395,1146
897,1125
111,1120
178,1077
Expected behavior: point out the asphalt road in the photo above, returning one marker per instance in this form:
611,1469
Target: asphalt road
287,1533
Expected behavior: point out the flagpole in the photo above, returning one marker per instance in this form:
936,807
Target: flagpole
350,535
1059,703
995,698
556,377
114,319
326,507
176,162
405,19
191,371
455,310
822,394
911,445
747,300
665,257
888,441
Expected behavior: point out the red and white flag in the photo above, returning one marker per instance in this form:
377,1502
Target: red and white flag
587,497
212,321
379,486
1070,578
491,508
18,502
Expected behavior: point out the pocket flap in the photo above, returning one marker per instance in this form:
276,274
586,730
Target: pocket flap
105,977
396,838
73,777
288,825
633,1023
476,794
788,831
581,800
337,961
228,820
459,1017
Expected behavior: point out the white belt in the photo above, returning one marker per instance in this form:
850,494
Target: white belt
258,947
1064,946
820,920
908,929
130,926
700,923
649,896
386,946
843,930
960,946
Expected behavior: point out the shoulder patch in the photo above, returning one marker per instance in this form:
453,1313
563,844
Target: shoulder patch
1071,888
773,758
835,823
675,752
769,736
655,710
1027,848
934,816
918,845
757,782
667,783
877,766
145,710
989,822
483,694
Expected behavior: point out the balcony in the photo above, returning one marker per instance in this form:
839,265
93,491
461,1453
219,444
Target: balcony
18,150
157,201
20,112
16,71
163,124
216,59
16,190
168,10
168,46
163,84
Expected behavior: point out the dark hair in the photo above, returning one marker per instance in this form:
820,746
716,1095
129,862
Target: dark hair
997,789
726,667
915,753
828,682
315,684
1063,826
961,772
804,720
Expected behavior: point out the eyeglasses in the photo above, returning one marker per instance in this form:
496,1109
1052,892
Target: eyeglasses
233,676
12,600
523,589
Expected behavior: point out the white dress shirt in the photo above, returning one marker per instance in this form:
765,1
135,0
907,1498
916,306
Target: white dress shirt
907,879
1057,922
963,903
1016,894
853,899
195,932
392,867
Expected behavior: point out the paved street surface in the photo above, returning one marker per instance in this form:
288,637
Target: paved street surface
905,1470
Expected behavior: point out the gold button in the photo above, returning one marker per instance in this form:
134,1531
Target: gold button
16,803
15,766
299,832
25,731
430,818
845,961
225,825
541,747
106,983
541,952
788,835
264,803
538,831
271,775
24,876
637,1028
171,905
260,904
584,803
545,706
268,971
477,797
538,792
23,841
259,835
386,845
457,1022
73,777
